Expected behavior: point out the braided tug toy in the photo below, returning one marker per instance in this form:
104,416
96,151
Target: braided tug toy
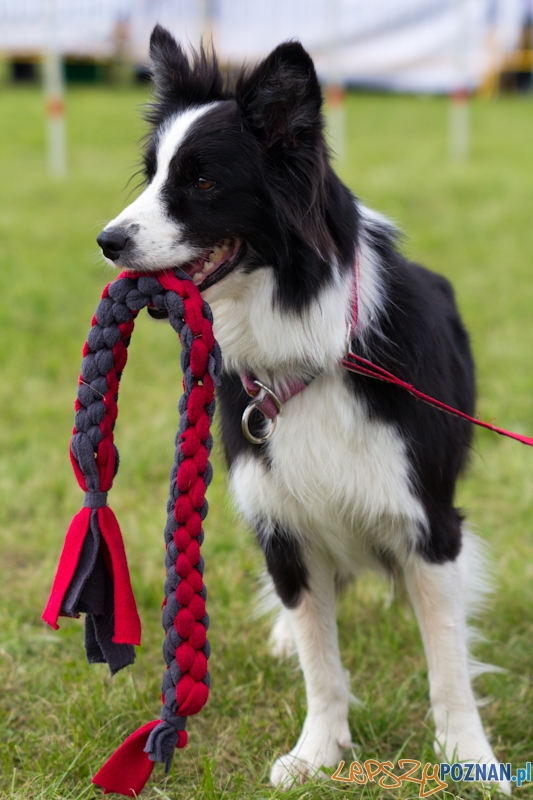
93,576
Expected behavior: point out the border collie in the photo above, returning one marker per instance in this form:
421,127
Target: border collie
356,474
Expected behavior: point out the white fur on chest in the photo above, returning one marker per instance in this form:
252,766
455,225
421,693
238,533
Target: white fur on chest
255,333
336,478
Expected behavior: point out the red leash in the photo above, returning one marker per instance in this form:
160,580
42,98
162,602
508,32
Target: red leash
361,366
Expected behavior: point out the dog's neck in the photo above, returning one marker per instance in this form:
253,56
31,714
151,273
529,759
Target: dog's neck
257,334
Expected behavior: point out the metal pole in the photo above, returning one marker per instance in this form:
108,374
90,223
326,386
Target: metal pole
335,93
54,92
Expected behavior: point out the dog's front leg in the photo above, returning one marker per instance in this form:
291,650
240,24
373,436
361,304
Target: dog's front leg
438,593
311,611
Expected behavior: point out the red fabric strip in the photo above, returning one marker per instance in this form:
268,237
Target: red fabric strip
67,565
365,367
169,281
127,622
128,769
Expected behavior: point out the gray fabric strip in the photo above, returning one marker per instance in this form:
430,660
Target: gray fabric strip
84,570
99,629
95,499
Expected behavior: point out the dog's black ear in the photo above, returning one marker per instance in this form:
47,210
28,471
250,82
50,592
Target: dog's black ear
178,81
281,97
169,63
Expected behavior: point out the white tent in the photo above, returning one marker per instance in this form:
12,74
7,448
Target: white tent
403,45
86,27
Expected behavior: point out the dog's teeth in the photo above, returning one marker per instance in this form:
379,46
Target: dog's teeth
227,243
213,256
197,278
207,266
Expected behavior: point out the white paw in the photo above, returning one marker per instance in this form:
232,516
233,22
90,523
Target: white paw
289,770
468,744
281,637
317,747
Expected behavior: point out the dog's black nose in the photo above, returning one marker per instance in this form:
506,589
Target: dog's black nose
112,242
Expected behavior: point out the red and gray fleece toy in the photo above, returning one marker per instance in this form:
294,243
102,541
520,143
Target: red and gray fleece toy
92,576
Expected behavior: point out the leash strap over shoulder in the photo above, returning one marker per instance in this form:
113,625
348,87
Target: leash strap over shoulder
93,576
361,366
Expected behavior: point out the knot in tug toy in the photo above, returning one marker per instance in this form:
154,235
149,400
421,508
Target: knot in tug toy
92,575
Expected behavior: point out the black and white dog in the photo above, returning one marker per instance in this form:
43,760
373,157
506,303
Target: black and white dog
240,194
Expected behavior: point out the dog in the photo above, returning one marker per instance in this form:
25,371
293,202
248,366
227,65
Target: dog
354,473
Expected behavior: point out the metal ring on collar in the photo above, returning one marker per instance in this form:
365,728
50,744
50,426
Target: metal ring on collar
264,390
260,397
246,430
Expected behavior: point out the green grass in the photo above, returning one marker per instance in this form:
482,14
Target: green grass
59,719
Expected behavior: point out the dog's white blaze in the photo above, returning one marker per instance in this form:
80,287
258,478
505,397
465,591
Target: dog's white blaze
158,238
171,137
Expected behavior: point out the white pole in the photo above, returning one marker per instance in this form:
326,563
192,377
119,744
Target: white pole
459,98
54,92
335,94
207,23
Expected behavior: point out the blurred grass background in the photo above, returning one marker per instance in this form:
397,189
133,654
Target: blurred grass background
59,719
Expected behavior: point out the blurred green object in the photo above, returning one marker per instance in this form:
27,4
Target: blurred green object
86,71
58,718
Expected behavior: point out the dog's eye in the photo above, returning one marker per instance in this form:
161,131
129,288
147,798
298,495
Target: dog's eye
203,183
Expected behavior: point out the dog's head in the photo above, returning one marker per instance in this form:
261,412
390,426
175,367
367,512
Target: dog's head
236,179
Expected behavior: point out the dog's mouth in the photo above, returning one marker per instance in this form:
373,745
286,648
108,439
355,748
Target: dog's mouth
208,268
214,264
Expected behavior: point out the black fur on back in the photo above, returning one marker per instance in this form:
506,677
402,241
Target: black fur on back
420,337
